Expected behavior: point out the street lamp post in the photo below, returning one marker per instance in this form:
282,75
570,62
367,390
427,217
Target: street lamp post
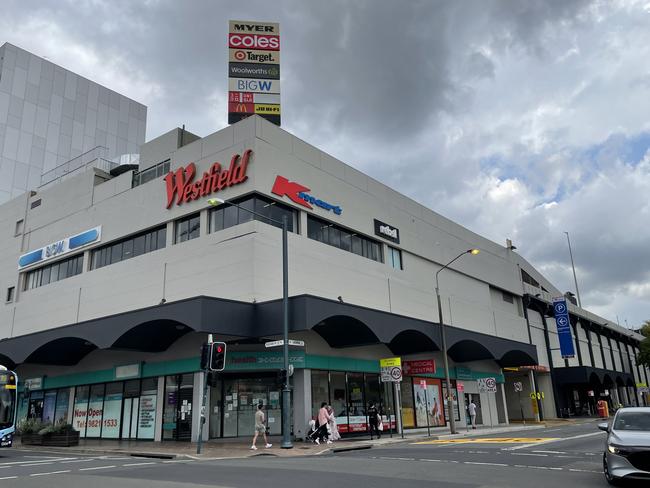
286,390
445,360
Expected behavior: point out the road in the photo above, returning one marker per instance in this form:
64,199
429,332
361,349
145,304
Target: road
568,456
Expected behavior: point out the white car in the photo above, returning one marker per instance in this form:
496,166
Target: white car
627,449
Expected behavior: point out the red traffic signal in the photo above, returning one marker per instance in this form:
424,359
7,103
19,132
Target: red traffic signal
218,356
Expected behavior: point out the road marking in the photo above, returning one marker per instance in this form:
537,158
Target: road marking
96,467
190,460
36,464
78,461
397,458
138,464
584,471
9,478
492,440
485,464
52,472
553,452
528,454
557,439
537,467
15,463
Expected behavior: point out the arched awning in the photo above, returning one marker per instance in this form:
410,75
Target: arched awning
65,351
412,342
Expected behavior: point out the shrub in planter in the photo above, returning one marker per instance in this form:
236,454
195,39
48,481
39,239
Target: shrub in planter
29,429
60,435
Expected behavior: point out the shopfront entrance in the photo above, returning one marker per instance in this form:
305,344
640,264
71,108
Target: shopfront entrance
178,408
234,400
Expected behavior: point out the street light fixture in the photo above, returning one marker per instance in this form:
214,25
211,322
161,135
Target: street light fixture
286,391
450,398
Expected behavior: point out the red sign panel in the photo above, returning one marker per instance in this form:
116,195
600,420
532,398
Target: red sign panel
238,107
254,41
419,366
240,97
460,386
182,187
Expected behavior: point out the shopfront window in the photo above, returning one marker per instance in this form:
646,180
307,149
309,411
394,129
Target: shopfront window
81,409
319,390
95,411
62,405
178,408
147,413
408,403
112,411
49,405
339,399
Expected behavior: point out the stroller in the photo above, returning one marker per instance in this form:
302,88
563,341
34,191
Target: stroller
312,433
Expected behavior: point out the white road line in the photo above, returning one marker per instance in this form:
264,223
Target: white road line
9,478
190,460
537,467
528,454
485,464
15,463
584,471
51,472
96,467
138,464
553,452
78,461
397,458
433,460
524,446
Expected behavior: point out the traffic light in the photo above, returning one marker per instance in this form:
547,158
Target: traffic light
218,356
205,356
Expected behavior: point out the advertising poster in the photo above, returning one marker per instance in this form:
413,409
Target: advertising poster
147,417
94,420
80,416
112,413
427,404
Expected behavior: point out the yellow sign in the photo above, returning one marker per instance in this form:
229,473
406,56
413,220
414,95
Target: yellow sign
10,387
493,440
390,362
267,109
533,396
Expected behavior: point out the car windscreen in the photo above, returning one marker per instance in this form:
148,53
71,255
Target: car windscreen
632,421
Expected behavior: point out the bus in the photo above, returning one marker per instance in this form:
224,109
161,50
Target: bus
8,404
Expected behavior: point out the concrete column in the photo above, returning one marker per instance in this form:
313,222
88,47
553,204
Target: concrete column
71,405
301,401
160,404
505,404
196,407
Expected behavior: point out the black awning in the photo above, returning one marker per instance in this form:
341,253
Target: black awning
593,376
154,329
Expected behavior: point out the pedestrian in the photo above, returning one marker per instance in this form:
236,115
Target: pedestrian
323,421
373,420
471,408
260,427
333,426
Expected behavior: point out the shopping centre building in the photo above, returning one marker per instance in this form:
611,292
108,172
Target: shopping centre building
114,280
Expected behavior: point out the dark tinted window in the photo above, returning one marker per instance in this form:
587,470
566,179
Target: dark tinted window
333,235
54,272
187,228
132,246
266,210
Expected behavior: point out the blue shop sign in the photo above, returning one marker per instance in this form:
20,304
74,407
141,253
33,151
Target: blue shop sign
59,248
561,313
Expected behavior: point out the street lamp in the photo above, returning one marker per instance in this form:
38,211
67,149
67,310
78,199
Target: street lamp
286,392
450,398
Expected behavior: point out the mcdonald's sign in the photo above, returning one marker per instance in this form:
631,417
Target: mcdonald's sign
240,107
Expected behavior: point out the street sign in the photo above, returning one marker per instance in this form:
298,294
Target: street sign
487,385
388,362
460,386
391,374
563,323
292,342
518,386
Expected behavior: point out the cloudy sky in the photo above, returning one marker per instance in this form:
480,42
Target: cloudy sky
519,119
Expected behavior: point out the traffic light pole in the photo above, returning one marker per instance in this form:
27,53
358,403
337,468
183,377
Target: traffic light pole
199,442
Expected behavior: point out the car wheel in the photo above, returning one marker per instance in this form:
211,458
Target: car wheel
612,480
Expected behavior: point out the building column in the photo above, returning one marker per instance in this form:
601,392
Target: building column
505,404
70,405
301,402
160,405
602,350
574,326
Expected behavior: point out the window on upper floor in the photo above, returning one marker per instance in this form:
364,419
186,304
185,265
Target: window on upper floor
54,272
141,177
348,240
10,294
187,228
526,278
226,215
129,247
395,258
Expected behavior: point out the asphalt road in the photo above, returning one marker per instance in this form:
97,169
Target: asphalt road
568,456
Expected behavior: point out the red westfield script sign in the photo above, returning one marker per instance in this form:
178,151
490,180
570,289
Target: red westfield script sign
422,366
180,184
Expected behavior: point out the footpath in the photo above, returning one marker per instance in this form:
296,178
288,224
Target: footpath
240,447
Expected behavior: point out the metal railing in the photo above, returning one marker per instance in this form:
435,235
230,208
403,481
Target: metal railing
95,158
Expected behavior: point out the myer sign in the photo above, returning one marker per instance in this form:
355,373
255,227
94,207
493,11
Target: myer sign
387,231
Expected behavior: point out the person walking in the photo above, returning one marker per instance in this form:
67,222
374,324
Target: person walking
260,427
373,420
471,409
323,421
333,426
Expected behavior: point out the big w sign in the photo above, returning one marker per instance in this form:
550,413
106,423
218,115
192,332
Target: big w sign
182,188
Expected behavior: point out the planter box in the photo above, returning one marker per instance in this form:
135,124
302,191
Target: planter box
31,439
64,439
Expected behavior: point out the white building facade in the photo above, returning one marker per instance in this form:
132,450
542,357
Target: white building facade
53,121
113,283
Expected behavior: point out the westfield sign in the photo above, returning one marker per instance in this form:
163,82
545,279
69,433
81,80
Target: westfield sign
182,188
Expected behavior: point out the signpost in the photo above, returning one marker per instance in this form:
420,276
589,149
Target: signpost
561,313
391,372
291,342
